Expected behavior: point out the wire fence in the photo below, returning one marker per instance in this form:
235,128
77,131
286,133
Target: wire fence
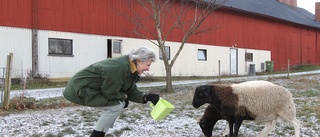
2,82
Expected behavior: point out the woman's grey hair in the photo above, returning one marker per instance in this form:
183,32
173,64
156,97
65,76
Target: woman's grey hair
143,54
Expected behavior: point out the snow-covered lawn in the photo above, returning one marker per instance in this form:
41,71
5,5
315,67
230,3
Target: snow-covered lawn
135,121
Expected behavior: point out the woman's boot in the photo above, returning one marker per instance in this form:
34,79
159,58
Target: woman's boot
97,134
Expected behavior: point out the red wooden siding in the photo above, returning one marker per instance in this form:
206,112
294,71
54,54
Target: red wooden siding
83,16
16,13
285,40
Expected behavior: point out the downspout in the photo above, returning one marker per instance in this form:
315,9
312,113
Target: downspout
317,18
316,61
300,46
35,59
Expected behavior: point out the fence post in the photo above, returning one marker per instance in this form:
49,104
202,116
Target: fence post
7,85
219,70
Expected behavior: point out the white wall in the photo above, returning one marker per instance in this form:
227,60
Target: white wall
16,41
187,63
88,49
259,56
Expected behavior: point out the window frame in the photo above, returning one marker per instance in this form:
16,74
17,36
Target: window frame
248,57
167,49
202,55
116,46
55,43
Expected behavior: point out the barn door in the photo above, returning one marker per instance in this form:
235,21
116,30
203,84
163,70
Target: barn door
233,61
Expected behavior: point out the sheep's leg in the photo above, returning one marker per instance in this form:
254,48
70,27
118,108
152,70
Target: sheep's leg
267,128
273,126
231,129
237,125
295,124
231,122
289,116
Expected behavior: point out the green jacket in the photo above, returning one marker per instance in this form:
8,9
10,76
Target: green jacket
105,83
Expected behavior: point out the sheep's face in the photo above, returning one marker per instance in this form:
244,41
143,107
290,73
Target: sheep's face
206,126
202,95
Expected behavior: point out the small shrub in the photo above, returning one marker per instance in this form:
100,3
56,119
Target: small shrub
21,103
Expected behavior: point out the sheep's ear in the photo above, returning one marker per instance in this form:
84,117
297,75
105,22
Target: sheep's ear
203,91
206,91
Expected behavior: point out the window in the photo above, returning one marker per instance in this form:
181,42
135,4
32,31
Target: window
116,46
60,46
167,49
113,48
202,54
249,57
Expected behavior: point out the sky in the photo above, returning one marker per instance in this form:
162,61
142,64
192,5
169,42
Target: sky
309,5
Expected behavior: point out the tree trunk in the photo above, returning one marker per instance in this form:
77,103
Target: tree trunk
169,88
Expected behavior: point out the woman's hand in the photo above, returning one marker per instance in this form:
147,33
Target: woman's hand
127,103
154,98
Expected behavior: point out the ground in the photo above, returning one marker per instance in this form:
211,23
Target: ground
135,121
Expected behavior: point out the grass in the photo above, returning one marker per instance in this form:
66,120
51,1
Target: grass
295,68
119,132
306,92
38,85
67,131
310,93
36,135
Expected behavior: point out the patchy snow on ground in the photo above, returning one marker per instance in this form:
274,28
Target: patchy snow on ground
78,121
136,121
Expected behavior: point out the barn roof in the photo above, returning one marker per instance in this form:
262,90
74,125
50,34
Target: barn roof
275,9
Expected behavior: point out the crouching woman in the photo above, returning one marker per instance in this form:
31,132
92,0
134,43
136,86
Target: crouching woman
109,85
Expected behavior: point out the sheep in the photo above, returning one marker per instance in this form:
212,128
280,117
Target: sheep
209,119
260,101
211,116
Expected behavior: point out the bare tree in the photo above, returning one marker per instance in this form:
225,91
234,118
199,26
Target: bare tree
167,16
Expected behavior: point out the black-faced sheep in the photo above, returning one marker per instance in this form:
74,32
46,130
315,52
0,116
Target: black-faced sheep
261,101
